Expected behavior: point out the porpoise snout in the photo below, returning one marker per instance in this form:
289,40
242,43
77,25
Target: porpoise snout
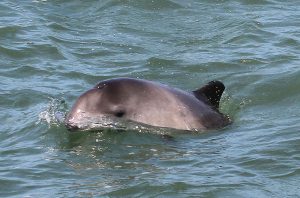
71,126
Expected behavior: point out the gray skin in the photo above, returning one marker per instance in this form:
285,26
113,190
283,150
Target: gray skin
150,103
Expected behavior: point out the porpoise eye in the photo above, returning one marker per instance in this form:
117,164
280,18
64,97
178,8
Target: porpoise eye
119,114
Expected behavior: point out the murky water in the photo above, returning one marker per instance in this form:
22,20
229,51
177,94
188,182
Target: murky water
52,51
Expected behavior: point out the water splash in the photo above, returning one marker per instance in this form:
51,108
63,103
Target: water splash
108,123
55,112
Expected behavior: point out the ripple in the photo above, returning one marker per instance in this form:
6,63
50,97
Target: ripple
164,190
55,26
258,2
11,186
25,72
288,174
288,42
12,52
243,32
144,4
31,50
153,61
9,31
21,100
245,38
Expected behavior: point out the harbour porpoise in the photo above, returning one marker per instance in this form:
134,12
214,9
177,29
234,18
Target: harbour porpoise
147,103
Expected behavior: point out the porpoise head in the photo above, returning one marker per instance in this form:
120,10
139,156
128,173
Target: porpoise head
98,107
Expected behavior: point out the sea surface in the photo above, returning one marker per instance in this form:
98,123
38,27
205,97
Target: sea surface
51,51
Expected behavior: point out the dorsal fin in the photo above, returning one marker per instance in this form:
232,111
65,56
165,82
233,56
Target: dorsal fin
212,91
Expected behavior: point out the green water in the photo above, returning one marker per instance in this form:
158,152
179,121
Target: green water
52,51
